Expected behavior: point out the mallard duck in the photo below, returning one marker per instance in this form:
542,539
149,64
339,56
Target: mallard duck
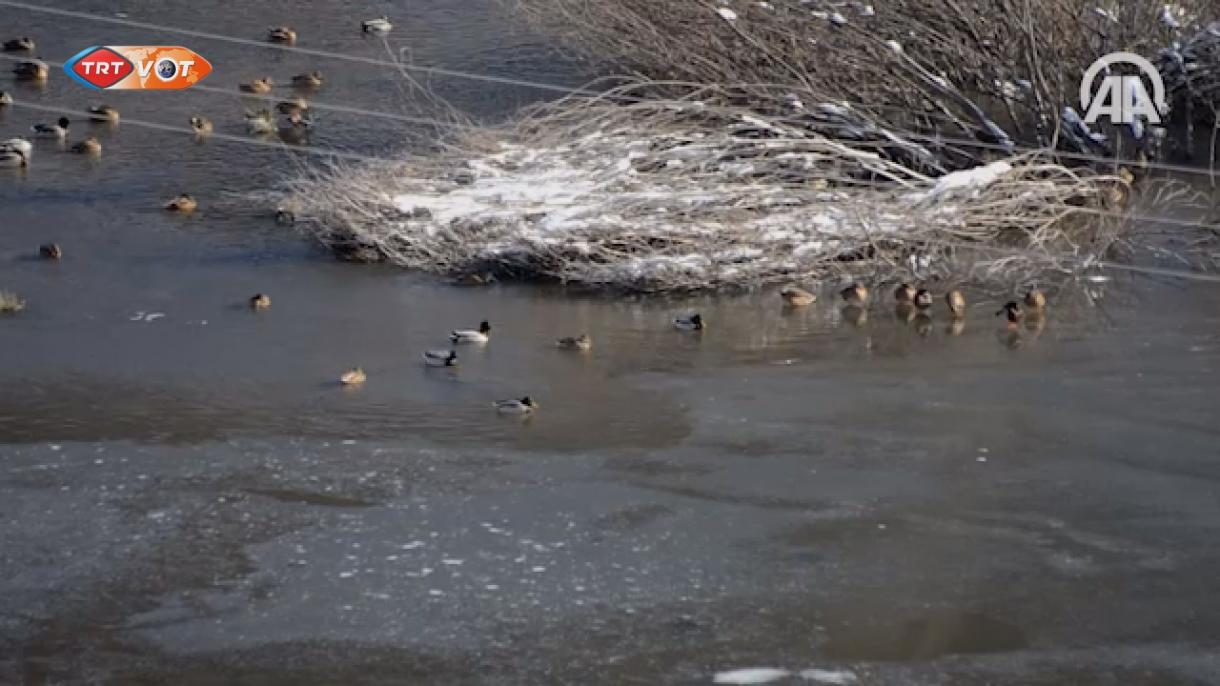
353,377
50,251
525,405
482,335
855,294
923,299
440,358
295,124
13,158
379,25
260,301
797,297
89,146
201,125
31,70
281,34
18,143
691,323
311,80
10,303
293,106
957,304
182,203
905,293
104,113
259,86
260,122
1035,299
475,280
23,44
58,130
581,342
1012,311
6,98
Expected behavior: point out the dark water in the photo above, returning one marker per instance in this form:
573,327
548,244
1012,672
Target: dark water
192,499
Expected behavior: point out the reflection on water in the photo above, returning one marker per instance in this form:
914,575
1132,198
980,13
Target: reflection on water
945,632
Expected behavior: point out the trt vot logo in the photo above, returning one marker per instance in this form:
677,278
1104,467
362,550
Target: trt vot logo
138,67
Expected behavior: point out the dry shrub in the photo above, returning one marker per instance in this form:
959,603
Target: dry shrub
682,195
996,70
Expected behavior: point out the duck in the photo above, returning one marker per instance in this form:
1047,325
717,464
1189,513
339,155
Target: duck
50,251
956,326
10,303
182,203
581,342
904,310
285,217
797,297
22,44
89,146
201,125
440,358
58,130
104,113
312,79
353,377
1012,312
525,405
481,335
475,279
923,299
380,25
6,98
293,106
31,70
281,34
923,324
905,293
855,294
295,124
260,122
13,158
18,143
691,323
1035,299
259,86
260,301
957,303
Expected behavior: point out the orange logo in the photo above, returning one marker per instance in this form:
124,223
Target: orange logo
138,67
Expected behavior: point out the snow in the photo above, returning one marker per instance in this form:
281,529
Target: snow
838,677
753,675
964,183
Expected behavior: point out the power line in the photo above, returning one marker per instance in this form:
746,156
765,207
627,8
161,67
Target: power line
438,71
312,150
313,104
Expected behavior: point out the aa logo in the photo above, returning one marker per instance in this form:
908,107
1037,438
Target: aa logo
138,67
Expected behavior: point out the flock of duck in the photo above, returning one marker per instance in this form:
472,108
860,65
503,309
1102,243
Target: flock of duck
293,124
910,303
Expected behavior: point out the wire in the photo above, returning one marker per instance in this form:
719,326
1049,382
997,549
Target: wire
313,150
439,71
313,104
